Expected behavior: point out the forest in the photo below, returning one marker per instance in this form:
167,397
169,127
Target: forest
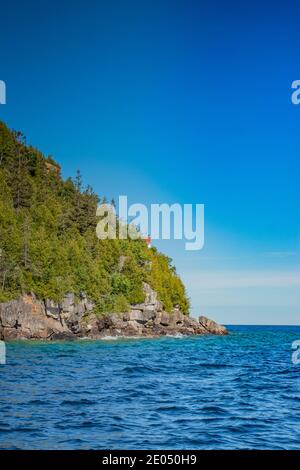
48,242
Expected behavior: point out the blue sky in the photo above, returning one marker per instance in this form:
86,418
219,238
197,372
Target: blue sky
183,102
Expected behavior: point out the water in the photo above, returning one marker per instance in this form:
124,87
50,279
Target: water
236,392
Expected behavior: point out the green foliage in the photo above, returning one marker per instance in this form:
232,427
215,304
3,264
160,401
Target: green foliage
48,242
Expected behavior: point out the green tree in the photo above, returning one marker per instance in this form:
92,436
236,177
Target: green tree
48,242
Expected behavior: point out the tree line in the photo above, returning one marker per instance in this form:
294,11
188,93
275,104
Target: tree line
48,242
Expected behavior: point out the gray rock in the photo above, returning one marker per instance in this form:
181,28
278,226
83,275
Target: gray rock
133,315
52,309
151,303
166,319
72,311
26,318
63,336
139,316
212,327
30,318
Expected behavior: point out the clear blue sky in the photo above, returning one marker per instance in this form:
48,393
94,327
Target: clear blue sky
175,101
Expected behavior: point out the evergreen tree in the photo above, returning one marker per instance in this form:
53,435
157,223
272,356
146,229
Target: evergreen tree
48,242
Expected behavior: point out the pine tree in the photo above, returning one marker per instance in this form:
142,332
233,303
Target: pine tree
48,242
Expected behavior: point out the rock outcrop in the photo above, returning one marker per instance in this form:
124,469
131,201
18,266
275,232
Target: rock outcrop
31,318
212,327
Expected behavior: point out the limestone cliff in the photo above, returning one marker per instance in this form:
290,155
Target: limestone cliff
31,318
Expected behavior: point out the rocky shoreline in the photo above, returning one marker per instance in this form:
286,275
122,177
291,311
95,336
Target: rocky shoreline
31,318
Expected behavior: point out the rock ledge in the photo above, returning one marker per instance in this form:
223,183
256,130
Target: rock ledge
31,318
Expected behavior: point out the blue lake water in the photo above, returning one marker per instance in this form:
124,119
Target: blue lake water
236,392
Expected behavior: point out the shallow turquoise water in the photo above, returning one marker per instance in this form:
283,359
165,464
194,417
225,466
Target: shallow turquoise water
236,392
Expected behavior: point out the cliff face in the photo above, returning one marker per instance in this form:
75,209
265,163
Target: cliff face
30,318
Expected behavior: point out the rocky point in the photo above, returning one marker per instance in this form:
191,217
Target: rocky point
31,318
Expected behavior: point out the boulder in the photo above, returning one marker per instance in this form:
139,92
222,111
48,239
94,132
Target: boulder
63,336
52,309
212,327
166,319
139,316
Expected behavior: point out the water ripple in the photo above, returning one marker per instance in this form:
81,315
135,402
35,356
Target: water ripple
235,392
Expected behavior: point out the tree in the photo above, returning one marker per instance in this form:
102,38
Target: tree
48,242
